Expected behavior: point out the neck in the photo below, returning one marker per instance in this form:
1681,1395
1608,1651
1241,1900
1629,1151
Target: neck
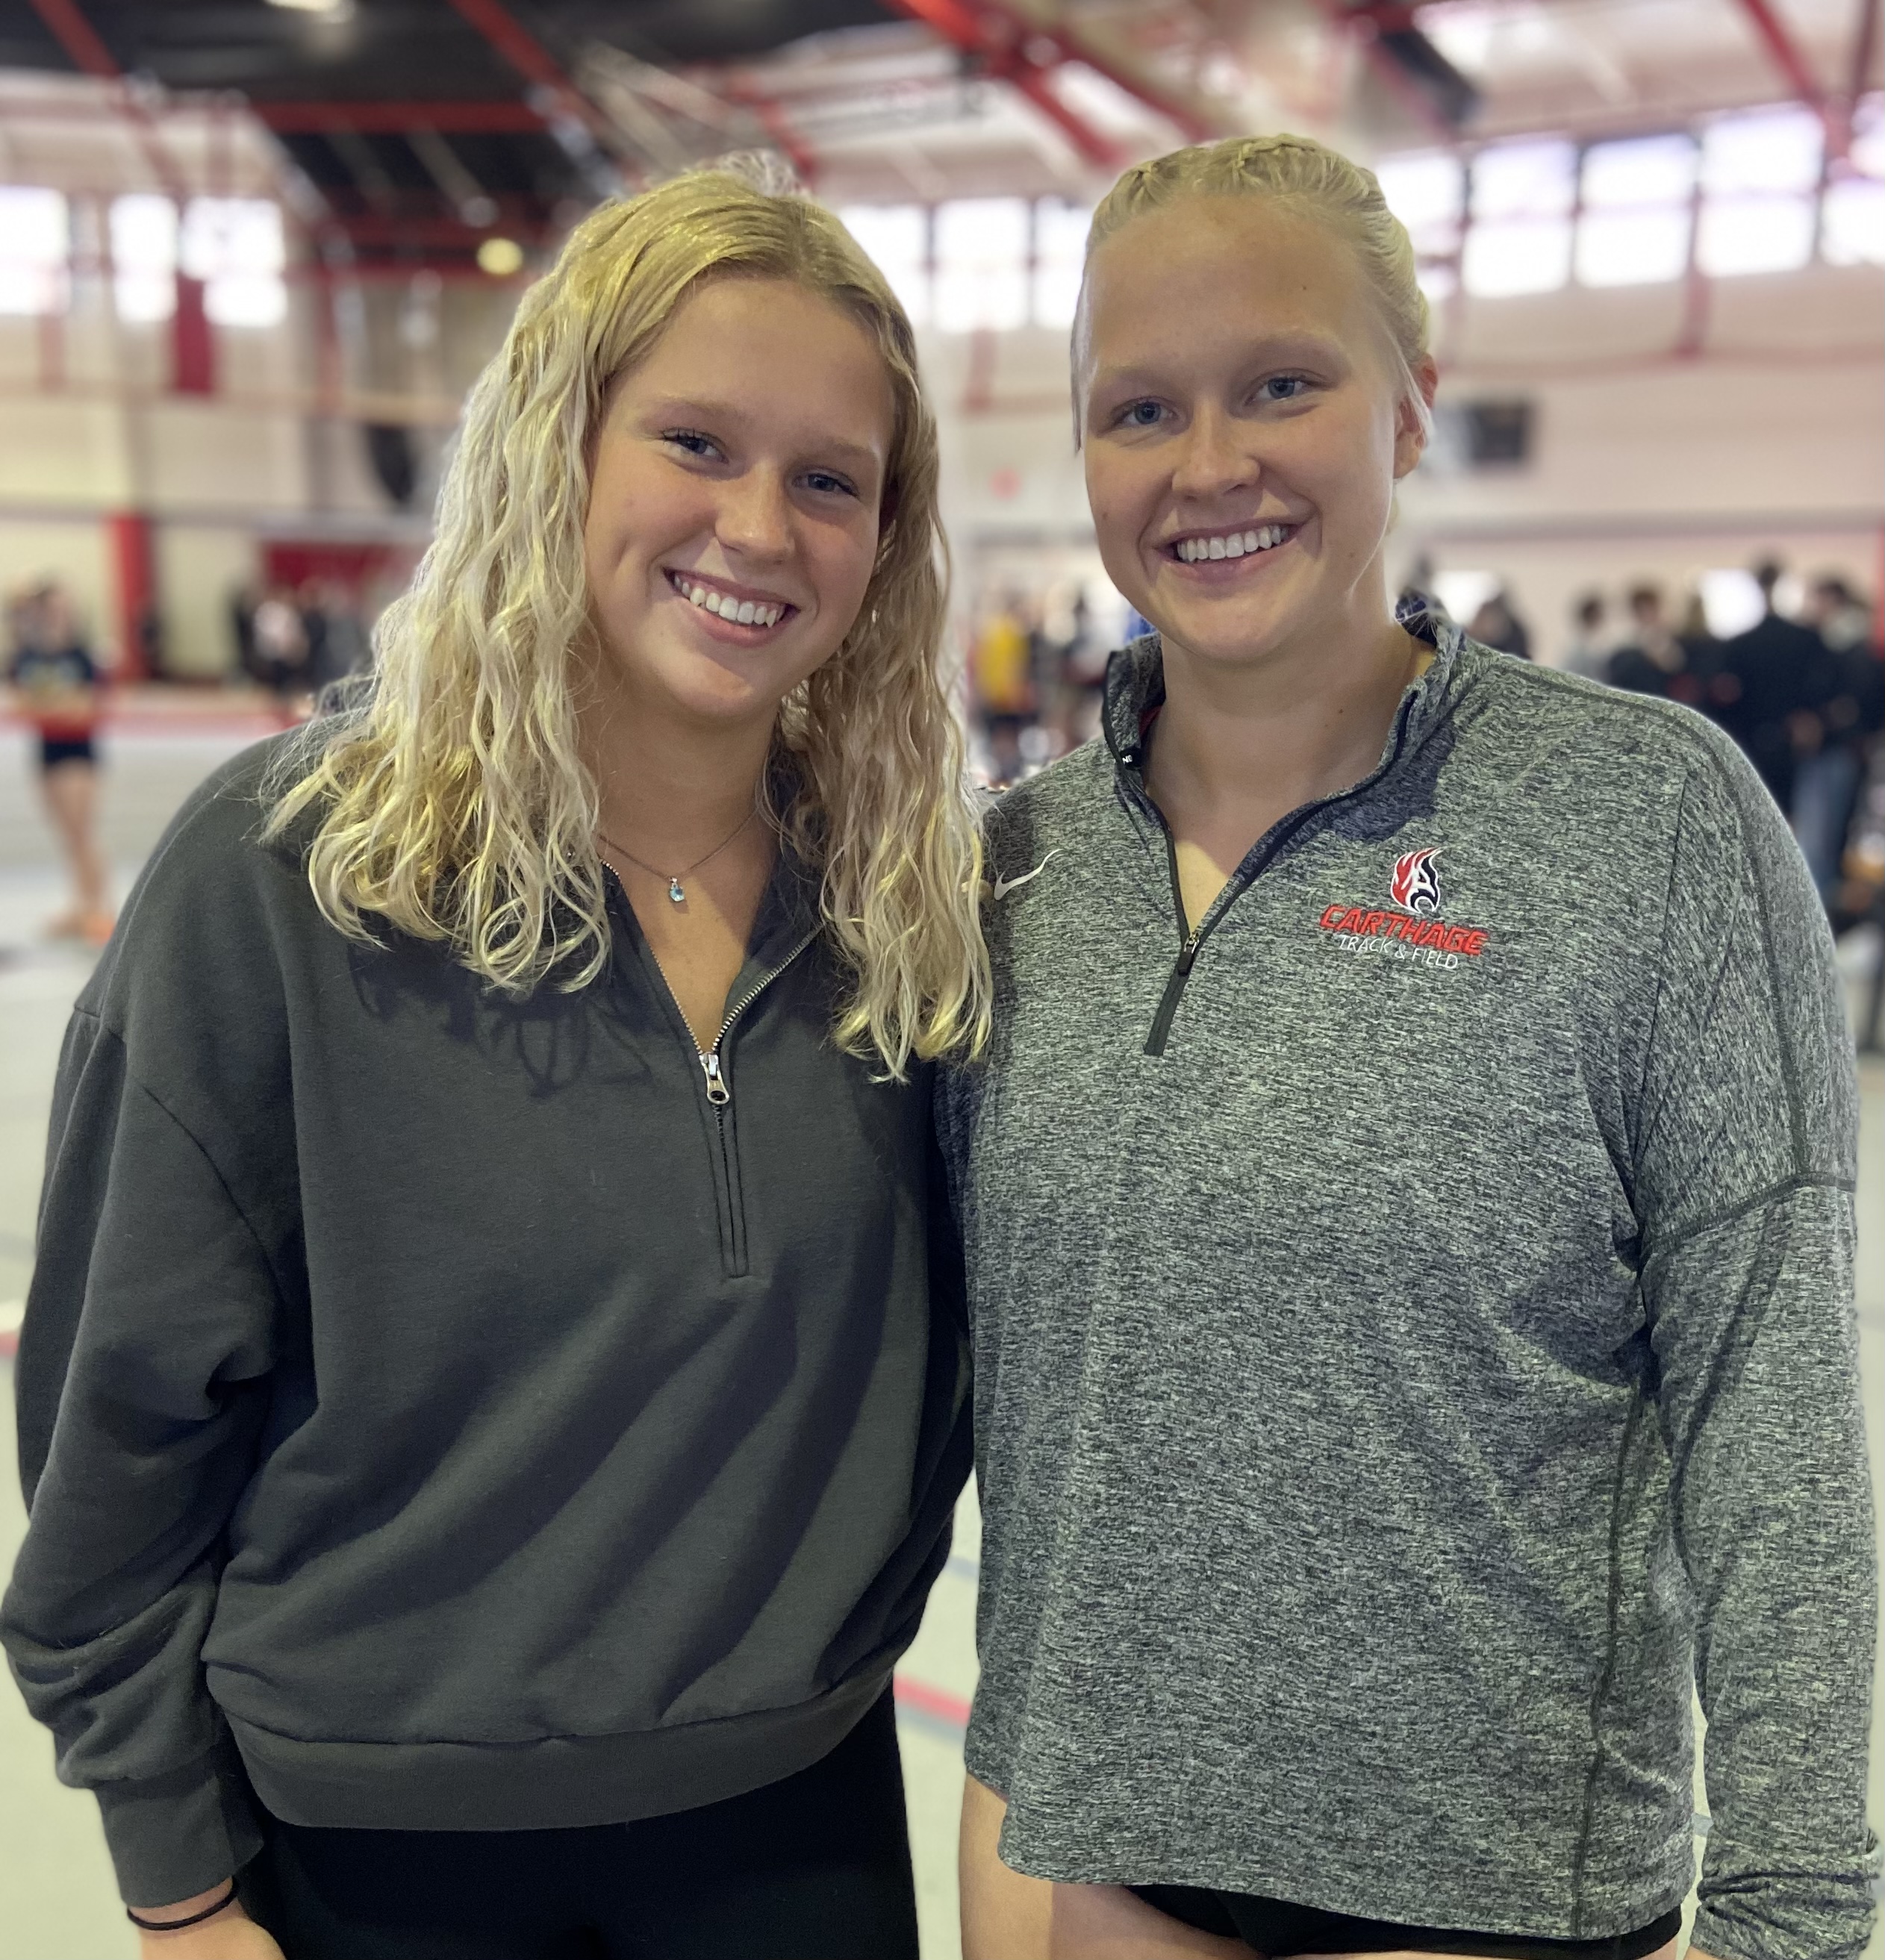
1305,721
669,788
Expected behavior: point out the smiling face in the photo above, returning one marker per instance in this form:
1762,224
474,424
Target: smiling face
1243,424
735,499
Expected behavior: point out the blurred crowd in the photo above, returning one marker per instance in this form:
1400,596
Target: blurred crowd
1802,694
1804,697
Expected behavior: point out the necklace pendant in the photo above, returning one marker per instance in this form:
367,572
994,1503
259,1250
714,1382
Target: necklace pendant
676,895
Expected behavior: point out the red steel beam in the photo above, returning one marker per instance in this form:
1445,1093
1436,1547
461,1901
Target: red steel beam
1865,49
88,54
391,118
75,33
514,43
993,36
1785,52
1368,23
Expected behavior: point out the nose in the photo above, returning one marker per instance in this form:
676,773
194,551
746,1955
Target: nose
755,516
1212,459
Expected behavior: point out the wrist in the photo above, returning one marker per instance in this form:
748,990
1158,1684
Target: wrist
197,1910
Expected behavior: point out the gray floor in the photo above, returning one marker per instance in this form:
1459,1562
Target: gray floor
57,1899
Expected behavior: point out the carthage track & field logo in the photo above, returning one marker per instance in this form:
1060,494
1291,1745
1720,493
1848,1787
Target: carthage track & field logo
1413,929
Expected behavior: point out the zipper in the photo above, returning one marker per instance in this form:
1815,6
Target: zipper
733,1244
1263,855
719,1090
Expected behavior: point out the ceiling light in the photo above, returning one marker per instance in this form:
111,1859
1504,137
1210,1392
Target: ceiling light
500,257
329,10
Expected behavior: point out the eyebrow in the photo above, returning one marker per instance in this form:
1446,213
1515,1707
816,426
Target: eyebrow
1300,343
698,407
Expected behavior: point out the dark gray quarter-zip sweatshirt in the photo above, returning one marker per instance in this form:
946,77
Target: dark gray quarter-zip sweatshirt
438,1411
1413,1322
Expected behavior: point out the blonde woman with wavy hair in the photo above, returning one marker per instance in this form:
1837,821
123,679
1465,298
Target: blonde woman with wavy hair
493,1389
1407,1213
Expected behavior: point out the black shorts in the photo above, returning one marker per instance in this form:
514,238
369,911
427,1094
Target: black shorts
816,1867
54,749
1276,1927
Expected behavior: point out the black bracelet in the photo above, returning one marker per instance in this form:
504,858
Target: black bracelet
177,1925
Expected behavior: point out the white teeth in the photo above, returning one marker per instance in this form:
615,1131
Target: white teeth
724,605
1239,544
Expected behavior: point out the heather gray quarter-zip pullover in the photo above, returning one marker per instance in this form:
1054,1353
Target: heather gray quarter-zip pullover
1413,1327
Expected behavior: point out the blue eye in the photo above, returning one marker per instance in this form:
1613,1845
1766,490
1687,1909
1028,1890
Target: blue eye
690,439
1290,385
824,481
1140,414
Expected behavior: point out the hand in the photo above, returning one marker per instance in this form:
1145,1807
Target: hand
231,1935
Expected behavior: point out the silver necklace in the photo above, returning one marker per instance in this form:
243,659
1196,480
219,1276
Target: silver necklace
676,892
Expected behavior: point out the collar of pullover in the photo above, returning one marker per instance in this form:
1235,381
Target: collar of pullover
1135,686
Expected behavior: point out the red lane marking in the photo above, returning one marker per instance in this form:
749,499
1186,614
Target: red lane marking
919,1694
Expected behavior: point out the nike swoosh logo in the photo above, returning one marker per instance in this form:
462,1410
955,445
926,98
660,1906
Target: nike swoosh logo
1004,886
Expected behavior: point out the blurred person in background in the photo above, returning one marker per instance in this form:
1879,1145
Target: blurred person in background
1778,676
278,640
1702,656
1497,625
1001,669
1848,708
1588,653
493,1390
58,689
346,649
1653,659
1409,1217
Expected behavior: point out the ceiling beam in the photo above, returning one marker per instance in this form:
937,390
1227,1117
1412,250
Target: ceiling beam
1366,23
1785,53
1865,49
1098,47
395,118
76,35
90,56
991,37
514,43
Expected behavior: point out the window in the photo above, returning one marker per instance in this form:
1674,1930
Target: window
35,240
1759,174
1754,234
1868,136
1635,224
1852,223
895,237
1428,194
982,264
1521,199
1060,247
1766,150
144,257
235,246
1533,179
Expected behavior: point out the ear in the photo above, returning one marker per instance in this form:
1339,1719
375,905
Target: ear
1410,432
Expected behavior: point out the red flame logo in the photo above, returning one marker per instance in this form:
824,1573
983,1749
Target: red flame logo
1416,886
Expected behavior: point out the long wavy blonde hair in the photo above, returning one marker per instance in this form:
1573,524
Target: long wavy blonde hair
453,801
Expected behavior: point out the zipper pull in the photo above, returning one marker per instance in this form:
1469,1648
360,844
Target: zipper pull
1187,953
718,1094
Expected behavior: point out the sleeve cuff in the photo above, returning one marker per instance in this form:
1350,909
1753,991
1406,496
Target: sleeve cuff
173,1835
